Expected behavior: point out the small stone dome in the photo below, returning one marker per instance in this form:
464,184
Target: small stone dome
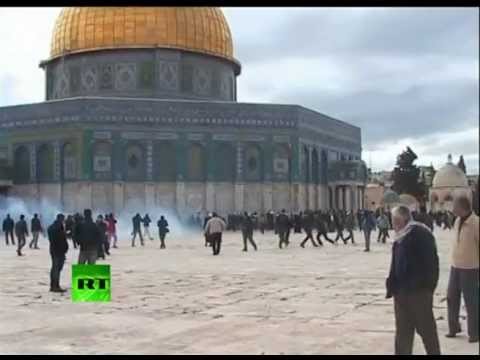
408,200
390,197
449,175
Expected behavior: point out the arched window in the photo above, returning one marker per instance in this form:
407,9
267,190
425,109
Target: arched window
69,166
165,161
281,162
253,163
225,162
102,160
196,163
315,174
45,163
21,165
135,163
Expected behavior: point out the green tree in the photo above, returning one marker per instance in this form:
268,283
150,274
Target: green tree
405,176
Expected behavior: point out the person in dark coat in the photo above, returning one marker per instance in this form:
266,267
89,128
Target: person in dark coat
58,248
136,222
307,224
89,237
283,225
412,280
36,228
349,224
424,217
162,230
247,231
7,227
21,231
146,226
322,229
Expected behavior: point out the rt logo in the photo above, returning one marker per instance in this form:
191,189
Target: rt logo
91,283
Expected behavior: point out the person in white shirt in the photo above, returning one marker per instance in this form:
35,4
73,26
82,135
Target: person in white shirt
213,230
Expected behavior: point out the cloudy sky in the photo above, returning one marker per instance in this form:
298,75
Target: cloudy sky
405,76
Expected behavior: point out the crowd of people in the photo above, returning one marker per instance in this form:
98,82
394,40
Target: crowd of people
414,267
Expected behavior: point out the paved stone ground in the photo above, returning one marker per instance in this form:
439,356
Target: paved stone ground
183,300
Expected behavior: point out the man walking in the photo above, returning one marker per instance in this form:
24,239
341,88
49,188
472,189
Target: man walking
247,231
21,231
89,238
136,222
368,225
283,225
7,227
412,281
58,248
162,230
213,229
383,225
112,230
36,228
464,269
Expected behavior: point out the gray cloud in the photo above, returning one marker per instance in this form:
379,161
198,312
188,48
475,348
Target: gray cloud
357,32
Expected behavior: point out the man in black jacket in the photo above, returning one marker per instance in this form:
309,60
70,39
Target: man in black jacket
247,231
283,225
7,227
412,281
36,228
162,225
58,248
136,223
21,231
88,236
307,224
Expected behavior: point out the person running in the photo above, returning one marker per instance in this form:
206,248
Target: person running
247,231
214,228
146,226
103,246
136,222
58,248
162,230
321,225
112,230
307,225
36,228
349,223
21,232
7,227
282,226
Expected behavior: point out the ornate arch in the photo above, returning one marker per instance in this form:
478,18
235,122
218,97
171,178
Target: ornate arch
21,165
45,163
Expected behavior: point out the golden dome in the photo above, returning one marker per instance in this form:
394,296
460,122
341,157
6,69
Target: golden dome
198,29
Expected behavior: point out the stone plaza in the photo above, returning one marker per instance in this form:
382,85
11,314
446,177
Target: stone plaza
182,300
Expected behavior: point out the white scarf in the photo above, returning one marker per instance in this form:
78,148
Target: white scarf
399,236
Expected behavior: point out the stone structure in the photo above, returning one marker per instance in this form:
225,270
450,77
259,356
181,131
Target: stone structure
141,112
448,181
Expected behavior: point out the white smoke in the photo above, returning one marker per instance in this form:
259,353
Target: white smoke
47,213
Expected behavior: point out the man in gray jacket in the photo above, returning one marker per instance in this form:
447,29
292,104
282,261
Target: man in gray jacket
213,230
